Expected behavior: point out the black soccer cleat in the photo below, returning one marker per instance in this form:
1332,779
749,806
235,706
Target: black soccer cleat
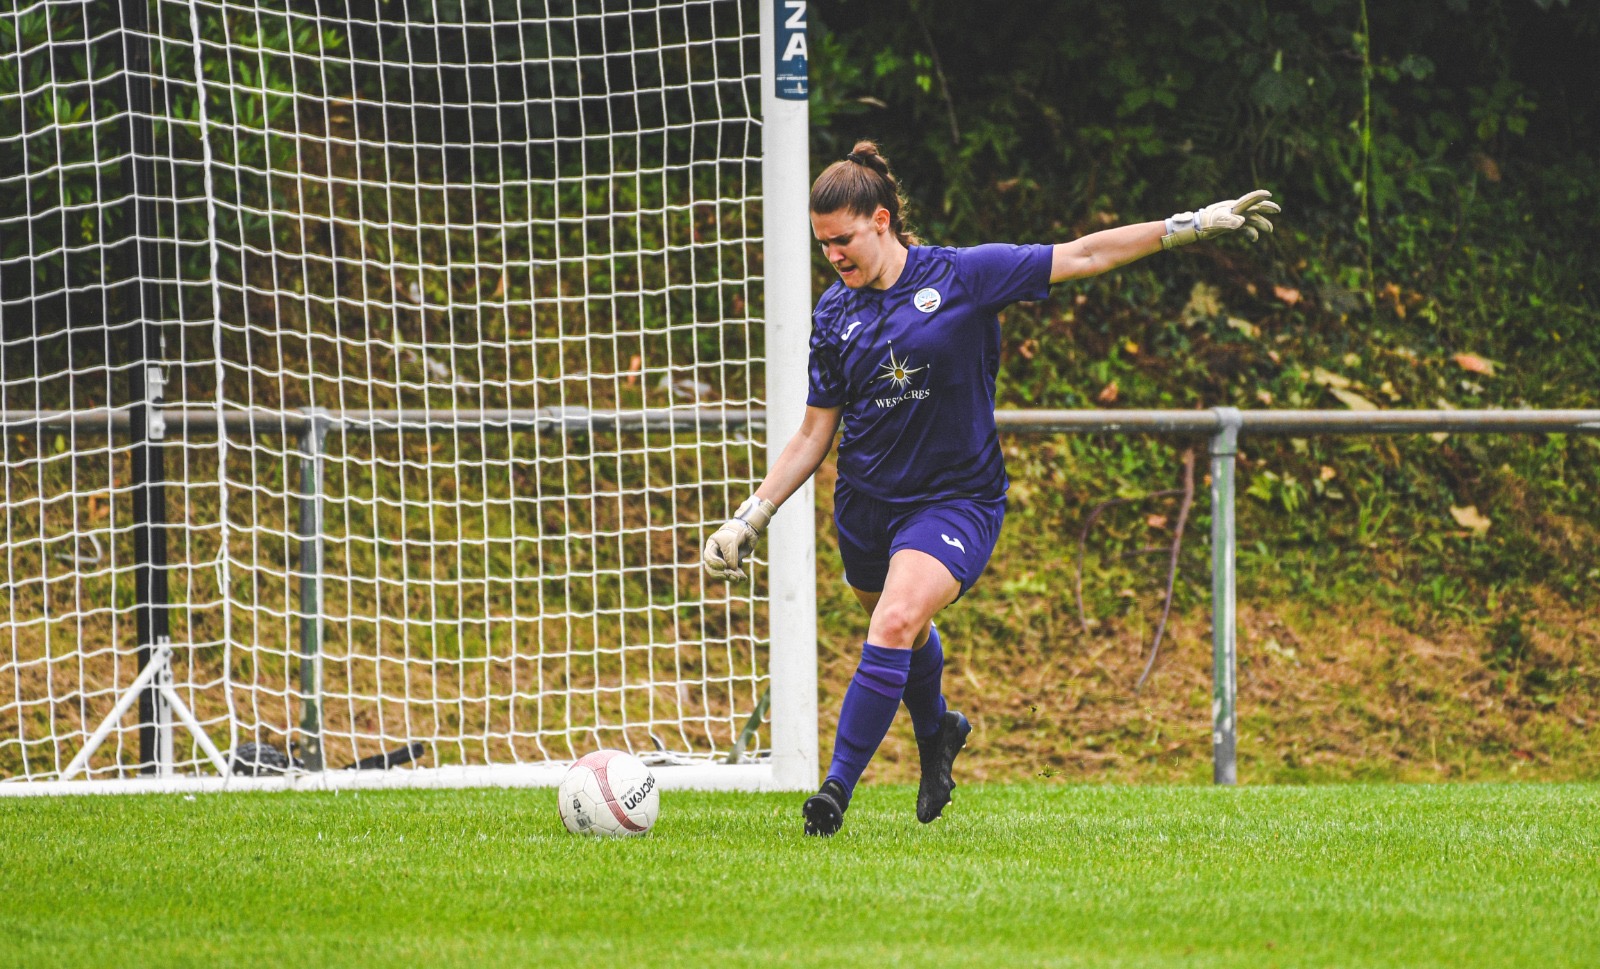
824,810
938,755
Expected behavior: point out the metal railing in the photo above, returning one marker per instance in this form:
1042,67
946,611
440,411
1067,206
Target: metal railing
1222,425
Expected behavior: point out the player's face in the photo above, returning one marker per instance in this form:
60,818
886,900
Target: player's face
859,247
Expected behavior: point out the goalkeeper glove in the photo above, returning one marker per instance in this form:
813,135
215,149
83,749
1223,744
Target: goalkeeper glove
736,538
1248,214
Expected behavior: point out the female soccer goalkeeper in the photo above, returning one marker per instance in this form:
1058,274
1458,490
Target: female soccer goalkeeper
904,350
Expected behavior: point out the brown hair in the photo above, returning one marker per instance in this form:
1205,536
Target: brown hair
860,183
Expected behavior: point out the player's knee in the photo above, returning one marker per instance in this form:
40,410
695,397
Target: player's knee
896,625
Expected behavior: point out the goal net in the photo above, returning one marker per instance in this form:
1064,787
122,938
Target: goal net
389,359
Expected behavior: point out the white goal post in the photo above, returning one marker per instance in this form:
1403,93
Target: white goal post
371,374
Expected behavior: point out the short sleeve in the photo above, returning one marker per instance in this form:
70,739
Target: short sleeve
998,274
824,371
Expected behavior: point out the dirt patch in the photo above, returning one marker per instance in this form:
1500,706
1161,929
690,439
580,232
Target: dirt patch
1325,693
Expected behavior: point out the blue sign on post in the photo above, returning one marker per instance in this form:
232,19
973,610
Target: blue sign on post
790,77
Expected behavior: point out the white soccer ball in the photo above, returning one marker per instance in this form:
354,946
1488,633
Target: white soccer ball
609,792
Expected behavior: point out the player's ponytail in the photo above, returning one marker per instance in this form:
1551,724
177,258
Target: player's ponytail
860,183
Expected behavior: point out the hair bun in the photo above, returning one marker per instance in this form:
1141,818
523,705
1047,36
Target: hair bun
865,154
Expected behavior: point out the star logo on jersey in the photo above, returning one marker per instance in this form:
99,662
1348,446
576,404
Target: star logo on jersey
898,372
850,330
927,300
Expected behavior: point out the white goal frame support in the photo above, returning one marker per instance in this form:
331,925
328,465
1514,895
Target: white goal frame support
158,674
792,584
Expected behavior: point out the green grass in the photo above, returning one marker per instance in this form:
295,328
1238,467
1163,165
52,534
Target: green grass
1465,875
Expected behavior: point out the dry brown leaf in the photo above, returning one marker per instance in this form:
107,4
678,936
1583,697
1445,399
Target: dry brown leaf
1156,521
1204,302
1287,294
1028,348
1472,363
1327,473
1108,395
1470,517
1246,327
1390,293
1351,399
1488,167
1328,378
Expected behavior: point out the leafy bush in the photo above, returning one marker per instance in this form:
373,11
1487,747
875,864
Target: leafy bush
1432,161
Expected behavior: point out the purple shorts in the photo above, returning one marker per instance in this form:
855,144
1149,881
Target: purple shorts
960,532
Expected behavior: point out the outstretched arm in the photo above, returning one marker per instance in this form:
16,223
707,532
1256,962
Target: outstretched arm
1101,251
798,461
1105,250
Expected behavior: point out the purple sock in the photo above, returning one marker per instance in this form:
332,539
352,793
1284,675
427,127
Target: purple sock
924,696
869,707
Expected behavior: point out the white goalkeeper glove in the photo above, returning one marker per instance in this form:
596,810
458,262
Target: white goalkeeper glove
1247,214
736,538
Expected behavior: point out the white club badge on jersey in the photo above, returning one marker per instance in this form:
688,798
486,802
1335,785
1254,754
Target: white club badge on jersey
927,300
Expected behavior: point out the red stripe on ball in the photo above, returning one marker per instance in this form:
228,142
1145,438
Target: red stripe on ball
597,762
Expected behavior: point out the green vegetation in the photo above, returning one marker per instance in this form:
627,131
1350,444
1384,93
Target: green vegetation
1430,164
1412,607
1033,874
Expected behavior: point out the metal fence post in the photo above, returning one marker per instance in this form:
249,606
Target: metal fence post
312,440
1224,725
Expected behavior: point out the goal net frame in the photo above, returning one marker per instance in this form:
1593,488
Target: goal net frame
128,703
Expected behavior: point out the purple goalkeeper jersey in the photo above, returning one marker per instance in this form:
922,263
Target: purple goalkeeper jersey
914,368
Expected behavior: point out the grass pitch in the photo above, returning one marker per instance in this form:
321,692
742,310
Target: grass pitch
1020,875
